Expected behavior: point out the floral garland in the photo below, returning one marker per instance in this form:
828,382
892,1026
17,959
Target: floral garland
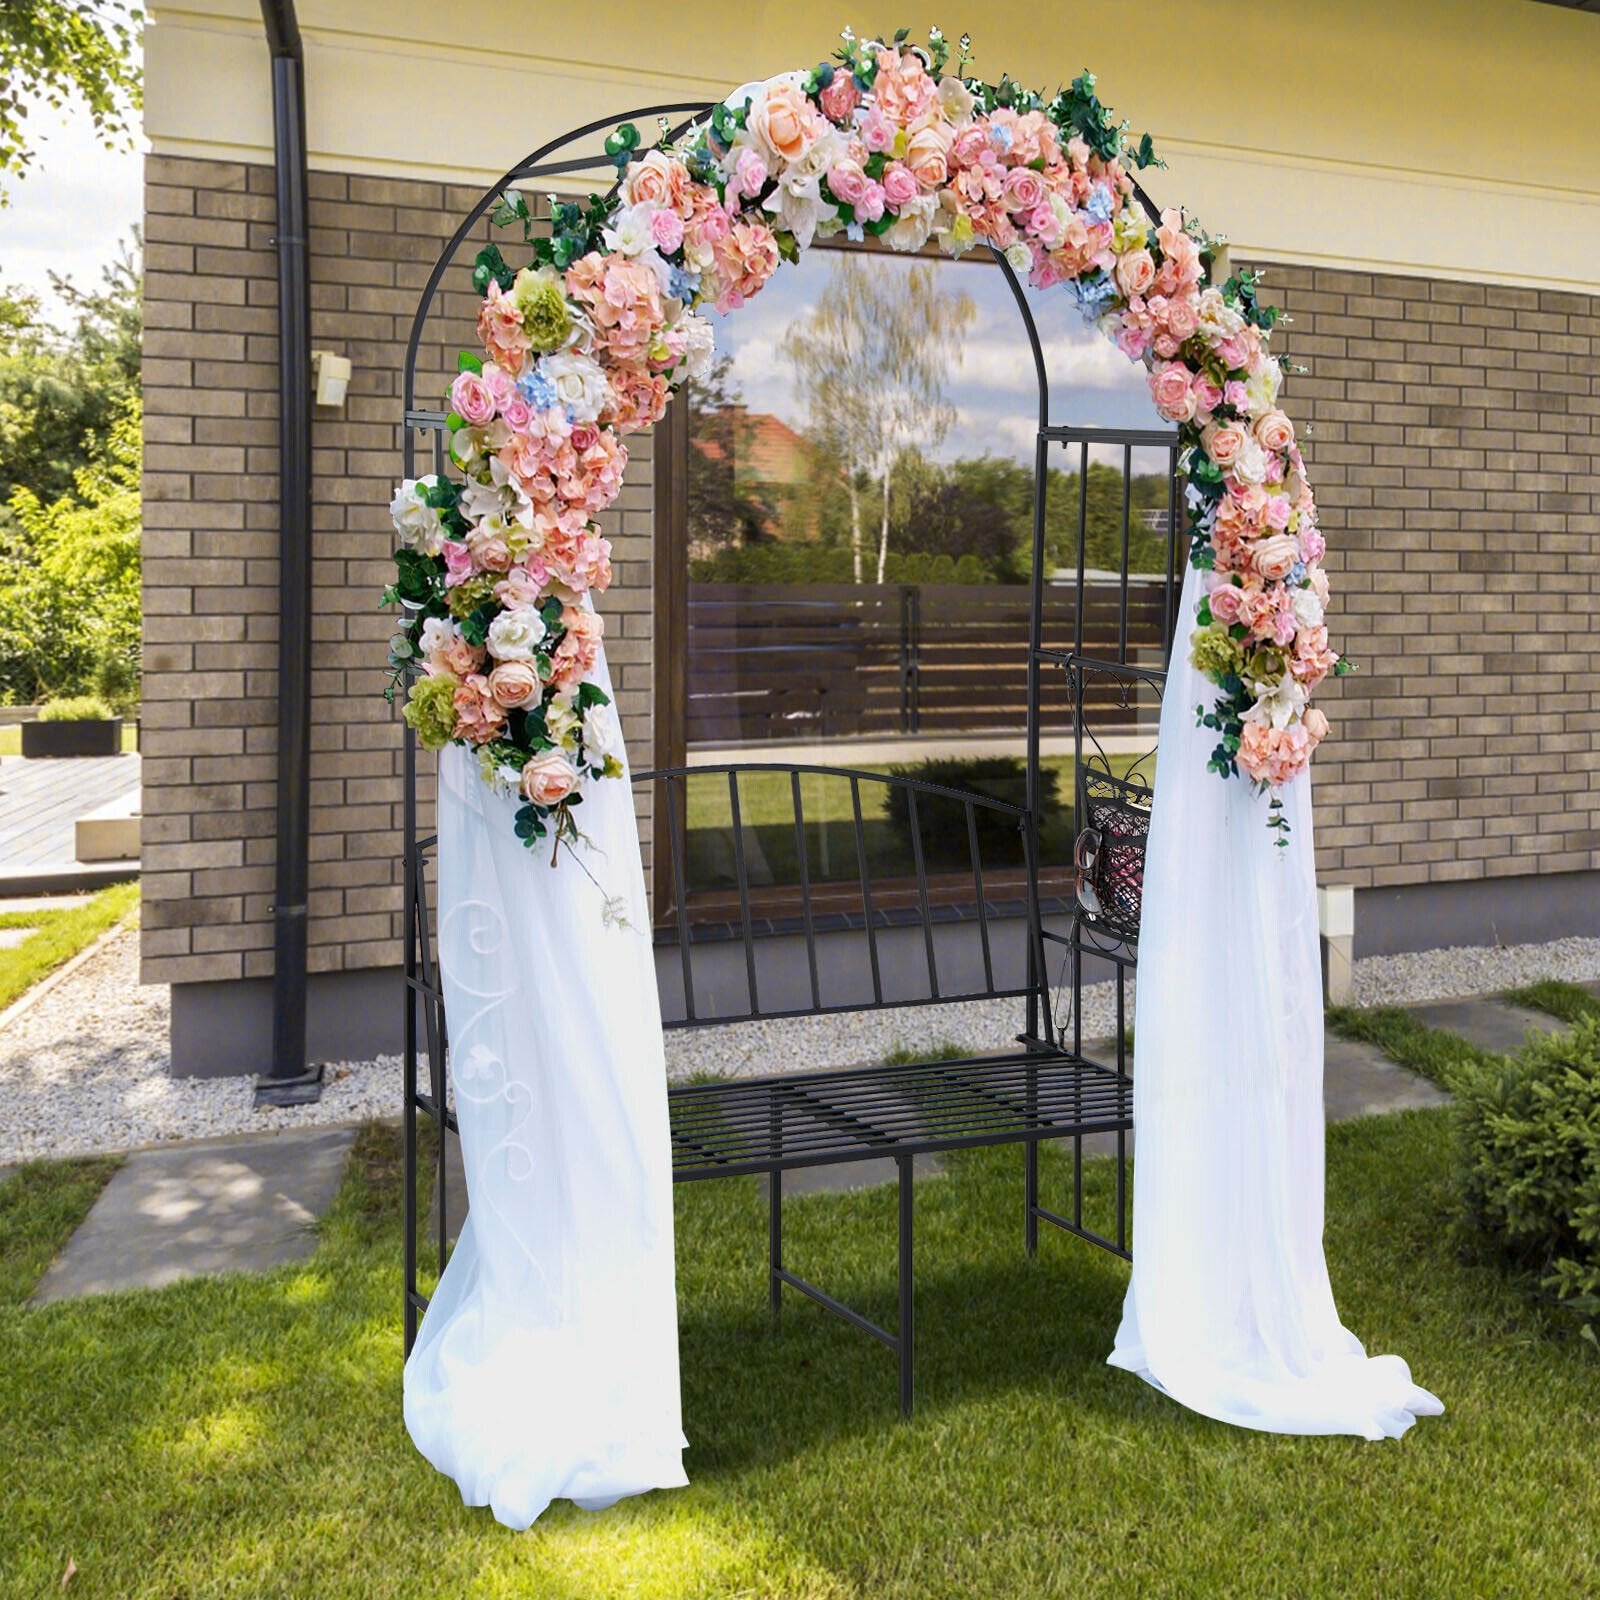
586,342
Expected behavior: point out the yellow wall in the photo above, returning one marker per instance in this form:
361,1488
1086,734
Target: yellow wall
1357,132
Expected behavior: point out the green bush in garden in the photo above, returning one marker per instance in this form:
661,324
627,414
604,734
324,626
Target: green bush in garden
1531,1161
76,708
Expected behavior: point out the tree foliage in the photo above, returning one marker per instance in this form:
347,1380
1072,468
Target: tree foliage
69,578
53,52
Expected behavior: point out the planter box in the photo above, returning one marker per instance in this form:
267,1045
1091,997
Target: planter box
72,738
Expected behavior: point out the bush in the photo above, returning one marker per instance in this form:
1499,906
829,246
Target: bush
943,819
77,708
1531,1161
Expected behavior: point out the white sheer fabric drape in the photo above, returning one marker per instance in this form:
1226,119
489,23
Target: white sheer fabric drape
547,1362
1229,1309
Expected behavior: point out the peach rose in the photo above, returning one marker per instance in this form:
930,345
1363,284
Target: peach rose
657,180
1224,444
1315,724
785,122
1136,271
1274,431
926,155
1275,556
513,684
548,779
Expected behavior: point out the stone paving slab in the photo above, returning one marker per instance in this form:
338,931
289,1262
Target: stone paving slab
1490,1024
227,1205
1359,1080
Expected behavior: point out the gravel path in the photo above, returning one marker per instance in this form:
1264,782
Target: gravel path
85,1068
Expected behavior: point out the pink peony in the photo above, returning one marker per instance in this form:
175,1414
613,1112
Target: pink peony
848,182
666,230
840,99
1171,387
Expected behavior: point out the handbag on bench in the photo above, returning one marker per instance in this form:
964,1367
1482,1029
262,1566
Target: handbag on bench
1109,853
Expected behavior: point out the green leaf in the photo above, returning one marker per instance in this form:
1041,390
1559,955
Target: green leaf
591,694
467,362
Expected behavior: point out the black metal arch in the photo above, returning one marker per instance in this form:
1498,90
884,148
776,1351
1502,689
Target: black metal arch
1052,1088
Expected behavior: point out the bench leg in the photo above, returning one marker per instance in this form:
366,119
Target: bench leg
907,1332
775,1240
1030,1189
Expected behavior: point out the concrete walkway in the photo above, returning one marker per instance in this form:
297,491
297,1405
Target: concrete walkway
40,803
1491,1024
229,1205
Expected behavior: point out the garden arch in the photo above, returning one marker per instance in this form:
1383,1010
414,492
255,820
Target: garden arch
1053,1086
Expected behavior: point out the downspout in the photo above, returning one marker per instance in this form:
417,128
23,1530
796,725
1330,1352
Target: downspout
291,1081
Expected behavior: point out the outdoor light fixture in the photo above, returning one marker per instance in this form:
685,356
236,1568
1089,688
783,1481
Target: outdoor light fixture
330,377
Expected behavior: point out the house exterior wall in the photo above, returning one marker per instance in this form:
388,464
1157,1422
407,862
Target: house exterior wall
1453,330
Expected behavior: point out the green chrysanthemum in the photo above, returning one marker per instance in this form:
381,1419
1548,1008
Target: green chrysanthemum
430,710
1213,652
541,297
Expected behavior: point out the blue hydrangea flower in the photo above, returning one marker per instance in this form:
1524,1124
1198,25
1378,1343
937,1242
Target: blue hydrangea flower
1100,205
1093,294
537,389
1001,136
682,284
1297,573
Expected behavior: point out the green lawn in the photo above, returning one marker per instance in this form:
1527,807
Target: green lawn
59,935
243,1436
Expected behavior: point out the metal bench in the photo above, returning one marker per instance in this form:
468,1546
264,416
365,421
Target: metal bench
917,950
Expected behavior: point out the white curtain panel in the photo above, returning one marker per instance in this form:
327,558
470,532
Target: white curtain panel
1229,1309
547,1362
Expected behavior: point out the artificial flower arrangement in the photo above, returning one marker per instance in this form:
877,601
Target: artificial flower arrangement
586,342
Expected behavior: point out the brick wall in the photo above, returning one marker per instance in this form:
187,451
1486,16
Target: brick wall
1455,447
210,568
1455,451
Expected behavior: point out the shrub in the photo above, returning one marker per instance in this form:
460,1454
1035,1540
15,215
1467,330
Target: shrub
943,819
76,708
1531,1161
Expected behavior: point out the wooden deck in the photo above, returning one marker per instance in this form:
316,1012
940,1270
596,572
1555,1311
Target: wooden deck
40,801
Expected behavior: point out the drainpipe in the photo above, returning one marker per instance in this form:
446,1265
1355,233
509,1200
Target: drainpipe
291,1079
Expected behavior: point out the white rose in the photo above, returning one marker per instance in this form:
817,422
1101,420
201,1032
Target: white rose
699,345
1019,257
910,232
415,521
1308,612
580,384
438,634
1261,389
561,722
602,736
1250,465
955,100
515,634
629,230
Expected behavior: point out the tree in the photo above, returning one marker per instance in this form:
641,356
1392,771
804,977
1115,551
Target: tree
56,51
57,391
872,360
722,513
69,578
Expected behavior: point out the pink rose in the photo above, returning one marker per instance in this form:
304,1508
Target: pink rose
1183,320
1171,389
518,413
666,229
926,153
1207,395
548,779
1136,271
1224,602
1224,444
848,182
514,684
471,400
899,185
1274,556
840,99
1273,429
1313,547
1278,510
1024,190
870,206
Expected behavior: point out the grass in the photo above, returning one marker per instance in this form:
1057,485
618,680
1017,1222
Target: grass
11,738
242,1436
60,936
1568,1001
1433,1052
41,1204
